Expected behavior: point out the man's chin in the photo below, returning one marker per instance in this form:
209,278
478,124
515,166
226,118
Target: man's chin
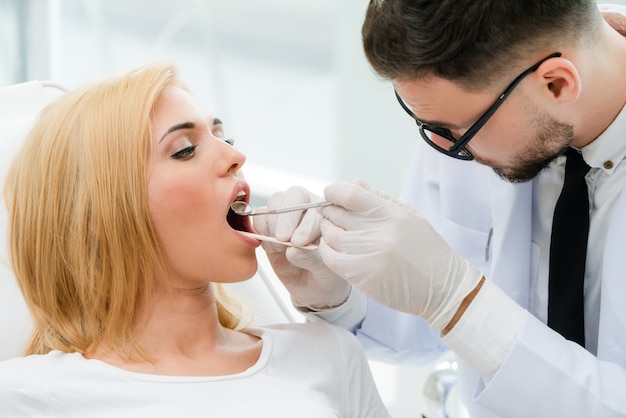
515,178
525,173
511,175
526,169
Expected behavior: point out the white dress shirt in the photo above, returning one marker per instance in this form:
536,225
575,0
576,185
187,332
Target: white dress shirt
605,181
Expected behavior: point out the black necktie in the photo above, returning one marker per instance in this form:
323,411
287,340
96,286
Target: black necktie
568,252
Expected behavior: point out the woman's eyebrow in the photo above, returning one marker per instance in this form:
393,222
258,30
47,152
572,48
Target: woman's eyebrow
217,121
184,125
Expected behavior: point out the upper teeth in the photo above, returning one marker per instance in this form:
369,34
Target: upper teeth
241,193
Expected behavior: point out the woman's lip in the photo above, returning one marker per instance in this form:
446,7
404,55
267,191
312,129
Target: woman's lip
249,240
240,186
242,222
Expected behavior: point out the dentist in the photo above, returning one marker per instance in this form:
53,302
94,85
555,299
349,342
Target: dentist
535,93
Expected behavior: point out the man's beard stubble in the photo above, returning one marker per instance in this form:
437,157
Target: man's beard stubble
552,139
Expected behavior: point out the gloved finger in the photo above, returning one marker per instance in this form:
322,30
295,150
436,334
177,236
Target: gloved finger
351,220
308,232
305,259
373,190
266,224
271,248
288,273
345,241
347,266
285,224
263,225
260,225
280,226
341,217
351,196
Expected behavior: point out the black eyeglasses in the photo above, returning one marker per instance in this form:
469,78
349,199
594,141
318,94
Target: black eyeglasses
457,148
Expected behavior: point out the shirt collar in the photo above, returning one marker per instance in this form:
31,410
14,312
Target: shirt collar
608,150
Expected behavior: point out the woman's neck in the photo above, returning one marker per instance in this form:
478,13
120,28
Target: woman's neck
180,334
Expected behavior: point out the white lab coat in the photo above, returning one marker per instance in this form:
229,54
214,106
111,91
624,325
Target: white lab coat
544,375
488,221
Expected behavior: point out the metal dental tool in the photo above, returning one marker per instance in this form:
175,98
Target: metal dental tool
246,209
275,241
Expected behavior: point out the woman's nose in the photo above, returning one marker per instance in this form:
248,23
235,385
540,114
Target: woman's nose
234,160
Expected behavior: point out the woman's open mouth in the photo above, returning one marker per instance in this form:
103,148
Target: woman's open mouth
238,222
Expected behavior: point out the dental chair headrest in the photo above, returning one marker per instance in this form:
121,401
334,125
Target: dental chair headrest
19,106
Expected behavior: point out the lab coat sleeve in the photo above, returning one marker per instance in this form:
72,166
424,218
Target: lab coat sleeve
531,370
348,315
546,376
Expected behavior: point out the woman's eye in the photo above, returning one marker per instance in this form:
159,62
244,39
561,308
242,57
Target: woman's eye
230,141
185,153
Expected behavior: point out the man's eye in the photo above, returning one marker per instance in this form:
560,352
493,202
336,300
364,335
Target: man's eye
185,153
456,133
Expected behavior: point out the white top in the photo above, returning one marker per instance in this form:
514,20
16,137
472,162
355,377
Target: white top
304,370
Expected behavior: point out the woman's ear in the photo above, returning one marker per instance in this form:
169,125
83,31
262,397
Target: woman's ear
561,79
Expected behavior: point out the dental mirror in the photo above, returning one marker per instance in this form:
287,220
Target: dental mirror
242,208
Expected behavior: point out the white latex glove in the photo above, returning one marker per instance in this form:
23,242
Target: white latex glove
309,281
389,252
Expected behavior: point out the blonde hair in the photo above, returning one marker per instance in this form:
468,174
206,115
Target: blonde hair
82,243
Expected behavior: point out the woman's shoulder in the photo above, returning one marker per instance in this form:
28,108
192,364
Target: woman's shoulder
37,367
22,380
35,361
306,328
303,334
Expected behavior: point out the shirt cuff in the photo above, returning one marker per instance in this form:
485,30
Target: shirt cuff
487,330
348,315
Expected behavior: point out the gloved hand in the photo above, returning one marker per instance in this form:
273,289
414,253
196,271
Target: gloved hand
309,281
389,252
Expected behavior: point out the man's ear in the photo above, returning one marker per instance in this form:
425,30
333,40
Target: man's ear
617,21
561,79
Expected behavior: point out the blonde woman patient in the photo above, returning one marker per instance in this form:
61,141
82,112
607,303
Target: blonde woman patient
119,238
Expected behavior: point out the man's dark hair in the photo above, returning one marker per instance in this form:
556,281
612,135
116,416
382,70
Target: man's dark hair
471,42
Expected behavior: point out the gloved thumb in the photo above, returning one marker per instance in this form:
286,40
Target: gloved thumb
308,231
355,197
304,259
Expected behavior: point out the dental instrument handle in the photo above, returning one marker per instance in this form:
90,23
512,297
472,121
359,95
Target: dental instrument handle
275,241
292,208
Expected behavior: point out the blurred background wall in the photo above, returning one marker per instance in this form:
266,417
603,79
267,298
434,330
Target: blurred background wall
288,77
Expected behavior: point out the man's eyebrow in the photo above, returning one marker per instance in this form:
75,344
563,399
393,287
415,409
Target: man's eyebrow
184,125
433,123
440,124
